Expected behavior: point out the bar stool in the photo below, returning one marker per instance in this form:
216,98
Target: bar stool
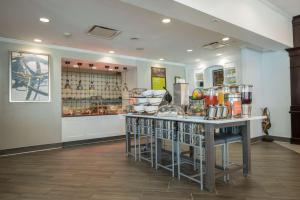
165,131
133,129
219,141
146,132
230,138
190,136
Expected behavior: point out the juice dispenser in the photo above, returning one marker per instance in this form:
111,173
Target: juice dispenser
246,95
233,102
211,98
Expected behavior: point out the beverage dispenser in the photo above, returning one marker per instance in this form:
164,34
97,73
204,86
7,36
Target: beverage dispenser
233,101
246,95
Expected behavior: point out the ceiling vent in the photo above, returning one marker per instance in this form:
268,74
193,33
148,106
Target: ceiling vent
104,32
214,45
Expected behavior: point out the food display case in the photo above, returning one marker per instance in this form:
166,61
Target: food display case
90,91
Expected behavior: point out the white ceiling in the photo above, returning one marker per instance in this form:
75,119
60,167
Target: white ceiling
20,20
291,7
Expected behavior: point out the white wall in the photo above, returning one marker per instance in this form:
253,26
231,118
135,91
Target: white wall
277,93
28,124
269,73
251,73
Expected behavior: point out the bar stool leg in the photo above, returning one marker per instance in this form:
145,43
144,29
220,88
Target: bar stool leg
227,160
173,160
201,165
178,159
224,162
139,143
195,158
151,148
135,135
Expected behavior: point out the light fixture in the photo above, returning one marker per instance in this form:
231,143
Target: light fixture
125,87
44,20
67,34
225,39
219,54
111,51
37,40
79,86
67,84
166,20
198,60
117,87
91,77
75,66
107,85
110,69
161,59
189,50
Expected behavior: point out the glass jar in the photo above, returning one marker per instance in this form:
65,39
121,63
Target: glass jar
234,104
211,97
221,96
246,93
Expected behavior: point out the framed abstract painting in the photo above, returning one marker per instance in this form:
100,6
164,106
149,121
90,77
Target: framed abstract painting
29,77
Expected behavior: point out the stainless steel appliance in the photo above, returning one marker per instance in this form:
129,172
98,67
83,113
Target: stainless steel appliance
181,94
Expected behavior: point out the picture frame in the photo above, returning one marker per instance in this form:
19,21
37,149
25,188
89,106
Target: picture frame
158,78
29,77
218,77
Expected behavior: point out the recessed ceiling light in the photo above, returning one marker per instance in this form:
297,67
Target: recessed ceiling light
166,20
37,40
219,54
198,60
44,20
111,52
67,34
189,50
225,39
161,59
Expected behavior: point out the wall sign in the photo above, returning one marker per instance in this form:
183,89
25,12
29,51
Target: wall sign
158,78
29,77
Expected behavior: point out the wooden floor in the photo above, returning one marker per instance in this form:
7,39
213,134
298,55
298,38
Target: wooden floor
101,171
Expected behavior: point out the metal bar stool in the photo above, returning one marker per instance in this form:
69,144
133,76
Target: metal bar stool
147,133
133,129
231,136
189,135
165,131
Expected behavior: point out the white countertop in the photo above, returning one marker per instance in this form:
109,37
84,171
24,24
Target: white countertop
197,119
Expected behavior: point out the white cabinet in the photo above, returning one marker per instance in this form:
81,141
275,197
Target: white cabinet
90,127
